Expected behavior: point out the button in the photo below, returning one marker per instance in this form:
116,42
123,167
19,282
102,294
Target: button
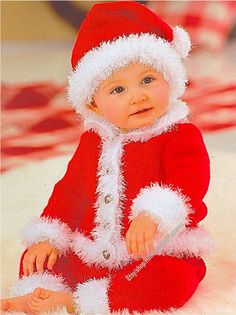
106,254
108,171
106,225
108,198
115,136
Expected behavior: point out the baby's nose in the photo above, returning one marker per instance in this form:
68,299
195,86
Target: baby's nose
136,99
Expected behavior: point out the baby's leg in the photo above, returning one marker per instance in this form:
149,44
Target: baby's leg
165,282
43,300
19,303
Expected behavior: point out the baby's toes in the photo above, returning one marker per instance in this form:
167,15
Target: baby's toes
35,300
5,305
34,307
38,292
41,293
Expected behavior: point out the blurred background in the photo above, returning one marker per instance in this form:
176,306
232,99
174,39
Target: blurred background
40,131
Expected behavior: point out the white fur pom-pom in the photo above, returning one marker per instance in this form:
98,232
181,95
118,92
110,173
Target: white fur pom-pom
181,41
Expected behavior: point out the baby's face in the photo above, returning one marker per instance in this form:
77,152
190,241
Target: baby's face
132,97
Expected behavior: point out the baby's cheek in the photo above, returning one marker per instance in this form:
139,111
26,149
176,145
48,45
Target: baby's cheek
112,112
115,115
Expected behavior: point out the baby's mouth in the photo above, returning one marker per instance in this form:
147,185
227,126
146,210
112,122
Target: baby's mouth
142,111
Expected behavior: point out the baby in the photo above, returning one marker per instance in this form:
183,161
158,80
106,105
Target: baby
140,170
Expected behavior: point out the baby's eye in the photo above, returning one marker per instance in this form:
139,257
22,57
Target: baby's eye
117,90
148,80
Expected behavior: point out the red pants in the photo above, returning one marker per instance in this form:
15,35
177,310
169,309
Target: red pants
163,283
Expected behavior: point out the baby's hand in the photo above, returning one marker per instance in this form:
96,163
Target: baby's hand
37,255
142,230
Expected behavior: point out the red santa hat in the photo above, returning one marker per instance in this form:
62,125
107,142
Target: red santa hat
112,35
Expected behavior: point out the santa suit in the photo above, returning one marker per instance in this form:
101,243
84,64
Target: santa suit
111,178
161,169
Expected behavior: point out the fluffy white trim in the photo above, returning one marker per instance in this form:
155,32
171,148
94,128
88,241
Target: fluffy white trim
168,207
190,242
91,297
99,63
47,229
181,41
109,215
45,280
92,252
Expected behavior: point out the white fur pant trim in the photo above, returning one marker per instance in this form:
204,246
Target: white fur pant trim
27,284
91,297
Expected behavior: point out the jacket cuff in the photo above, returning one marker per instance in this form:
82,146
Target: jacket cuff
57,233
27,284
91,297
167,207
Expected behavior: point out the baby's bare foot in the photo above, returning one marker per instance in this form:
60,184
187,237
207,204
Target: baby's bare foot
43,300
4,305
19,303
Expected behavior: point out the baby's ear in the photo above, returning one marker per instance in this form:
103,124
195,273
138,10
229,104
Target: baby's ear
92,106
